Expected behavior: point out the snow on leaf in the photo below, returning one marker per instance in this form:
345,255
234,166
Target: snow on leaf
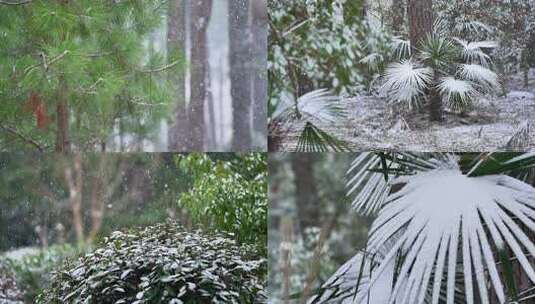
406,81
458,93
484,78
473,53
439,211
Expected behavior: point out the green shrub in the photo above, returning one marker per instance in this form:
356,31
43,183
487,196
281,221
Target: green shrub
34,272
162,264
229,196
9,290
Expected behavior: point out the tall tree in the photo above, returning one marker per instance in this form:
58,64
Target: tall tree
176,44
240,73
420,14
306,192
260,91
420,20
201,10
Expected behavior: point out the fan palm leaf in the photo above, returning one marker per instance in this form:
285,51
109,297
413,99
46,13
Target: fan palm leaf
406,81
483,78
318,106
446,214
473,51
314,139
459,94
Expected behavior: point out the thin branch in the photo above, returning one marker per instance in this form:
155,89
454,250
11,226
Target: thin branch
46,64
162,68
23,137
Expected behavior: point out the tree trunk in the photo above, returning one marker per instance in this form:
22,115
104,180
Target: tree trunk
306,192
201,11
74,184
420,21
260,86
176,46
240,73
435,102
62,113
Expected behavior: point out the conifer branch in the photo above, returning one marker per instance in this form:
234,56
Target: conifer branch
161,69
23,137
15,3
45,63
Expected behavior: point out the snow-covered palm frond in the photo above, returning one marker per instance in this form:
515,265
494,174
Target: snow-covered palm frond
459,94
320,104
373,61
474,27
485,79
401,47
371,175
405,81
473,51
351,282
442,213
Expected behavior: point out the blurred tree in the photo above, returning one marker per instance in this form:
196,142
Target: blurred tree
260,89
201,11
306,193
176,43
241,73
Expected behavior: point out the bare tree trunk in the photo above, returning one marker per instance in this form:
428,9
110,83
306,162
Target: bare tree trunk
201,11
240,74
62,112
420,26
306,192
176,45
435,102
420,20
260,90
74,183
286,228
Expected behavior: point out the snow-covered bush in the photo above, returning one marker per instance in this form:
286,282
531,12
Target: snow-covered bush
162,264
9,290
315,44
34,271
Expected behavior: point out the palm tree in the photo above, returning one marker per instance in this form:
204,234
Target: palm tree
450,70
449,228
304,115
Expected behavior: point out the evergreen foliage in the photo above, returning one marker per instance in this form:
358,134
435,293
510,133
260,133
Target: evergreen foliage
229,196
162,264
90,57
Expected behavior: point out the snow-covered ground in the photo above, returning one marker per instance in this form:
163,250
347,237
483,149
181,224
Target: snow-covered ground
375,124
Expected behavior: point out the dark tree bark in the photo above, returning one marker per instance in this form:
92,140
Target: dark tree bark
260,87
240,74
62,113
201,11
420,26
305,189
420,20
176,44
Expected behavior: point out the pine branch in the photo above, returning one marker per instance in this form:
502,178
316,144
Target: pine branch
162,68
23,137
45,63
15,3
